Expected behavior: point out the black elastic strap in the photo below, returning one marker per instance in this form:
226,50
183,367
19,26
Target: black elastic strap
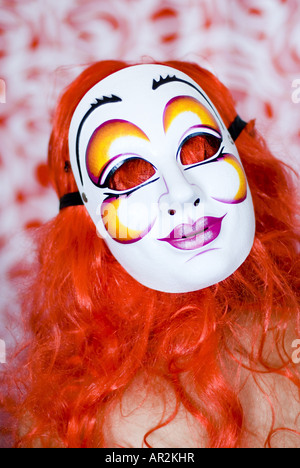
236,127
70,199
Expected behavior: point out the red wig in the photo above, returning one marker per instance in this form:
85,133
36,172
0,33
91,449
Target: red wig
94,330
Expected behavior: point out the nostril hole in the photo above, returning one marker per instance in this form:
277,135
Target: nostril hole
197,202
172,212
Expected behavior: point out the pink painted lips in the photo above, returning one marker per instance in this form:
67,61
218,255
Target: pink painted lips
197,235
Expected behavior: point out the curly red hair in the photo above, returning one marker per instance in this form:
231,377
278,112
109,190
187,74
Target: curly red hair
94,329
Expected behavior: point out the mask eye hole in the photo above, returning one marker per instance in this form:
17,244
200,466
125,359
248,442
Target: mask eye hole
198,148
130,174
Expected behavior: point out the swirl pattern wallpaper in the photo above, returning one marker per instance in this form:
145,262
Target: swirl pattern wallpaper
252,46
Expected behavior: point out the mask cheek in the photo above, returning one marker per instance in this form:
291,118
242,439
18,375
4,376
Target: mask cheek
126,221
228,182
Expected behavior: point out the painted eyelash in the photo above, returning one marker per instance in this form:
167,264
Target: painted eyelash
95,105
170,79
161,81
105,100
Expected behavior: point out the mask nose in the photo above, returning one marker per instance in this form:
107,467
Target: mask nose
179,192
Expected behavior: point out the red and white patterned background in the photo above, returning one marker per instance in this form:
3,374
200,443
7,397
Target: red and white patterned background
253,46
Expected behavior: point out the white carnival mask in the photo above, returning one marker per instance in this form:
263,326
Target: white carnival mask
162,179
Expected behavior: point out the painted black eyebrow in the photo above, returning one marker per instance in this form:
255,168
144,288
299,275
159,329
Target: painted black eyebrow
94,106
171,79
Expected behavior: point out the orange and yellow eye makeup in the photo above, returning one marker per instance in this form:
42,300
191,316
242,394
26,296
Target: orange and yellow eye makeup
182,104
114,226
242,192
98,151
